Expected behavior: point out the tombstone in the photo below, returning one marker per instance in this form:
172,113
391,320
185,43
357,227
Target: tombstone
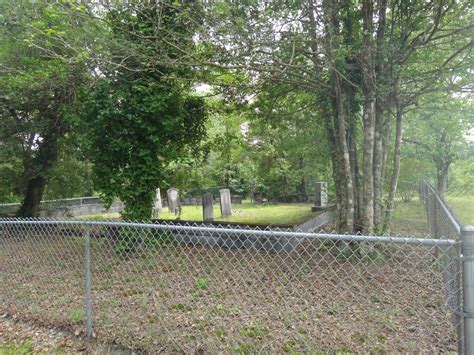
226,207
158,206
320,196
207,207
186,201
193,201
257,197
173,200
236,200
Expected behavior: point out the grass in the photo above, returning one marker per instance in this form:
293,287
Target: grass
16,348
246,213
463,208
409,219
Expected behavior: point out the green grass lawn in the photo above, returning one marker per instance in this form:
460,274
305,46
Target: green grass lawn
409,219
463,208
246,213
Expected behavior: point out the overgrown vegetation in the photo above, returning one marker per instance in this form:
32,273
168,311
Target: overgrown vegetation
124,97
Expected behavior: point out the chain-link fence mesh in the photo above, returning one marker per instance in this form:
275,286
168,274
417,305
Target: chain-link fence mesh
167,287
444,225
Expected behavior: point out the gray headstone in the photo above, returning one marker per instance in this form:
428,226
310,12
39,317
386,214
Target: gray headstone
207,207
173,200
186,201
226,207
236,200
257,197
193,201
157,206
321,194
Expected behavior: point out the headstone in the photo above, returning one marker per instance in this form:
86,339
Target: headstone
186,201
207,207
173,200
257,197
226,207
194,201
320,195
158,206
236,200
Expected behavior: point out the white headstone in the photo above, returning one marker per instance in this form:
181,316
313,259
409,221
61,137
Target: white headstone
321,194
173,200
157,206
225,202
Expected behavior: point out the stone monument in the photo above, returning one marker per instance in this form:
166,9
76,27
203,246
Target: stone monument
320,196
173,200
226,207
158,206
207,207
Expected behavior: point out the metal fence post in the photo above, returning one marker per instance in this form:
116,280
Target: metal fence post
467,238
88,283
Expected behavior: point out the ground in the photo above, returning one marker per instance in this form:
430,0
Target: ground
217,291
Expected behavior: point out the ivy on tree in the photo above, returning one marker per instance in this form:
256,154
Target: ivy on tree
141,116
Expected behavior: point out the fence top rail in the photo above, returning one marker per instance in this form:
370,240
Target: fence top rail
253,232
55,201
447,211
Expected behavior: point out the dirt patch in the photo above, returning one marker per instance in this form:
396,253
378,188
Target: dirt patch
18,335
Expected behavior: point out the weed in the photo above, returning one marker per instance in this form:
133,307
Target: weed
360,338
26,347
253,330
220,333
332,310
76,314
182,307
241,348
220,310
201,283
34,308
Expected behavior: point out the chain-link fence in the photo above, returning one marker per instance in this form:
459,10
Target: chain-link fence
167,287
443,224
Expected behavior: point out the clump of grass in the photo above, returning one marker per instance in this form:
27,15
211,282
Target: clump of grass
253,330
76,314
202,283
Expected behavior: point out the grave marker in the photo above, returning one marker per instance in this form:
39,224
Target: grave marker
173,200
226,207
158,206
207,207
320,196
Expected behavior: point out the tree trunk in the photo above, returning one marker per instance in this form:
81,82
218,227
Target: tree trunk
345,158
396,166
368,89
33,196
442,178
380,108
41,166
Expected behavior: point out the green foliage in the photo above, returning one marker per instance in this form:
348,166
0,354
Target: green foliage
43,63
141,116
202,283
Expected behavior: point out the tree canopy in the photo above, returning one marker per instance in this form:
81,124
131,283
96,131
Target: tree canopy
296,92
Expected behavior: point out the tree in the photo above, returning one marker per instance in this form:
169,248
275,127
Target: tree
38,88
437,130
361,61
141,115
